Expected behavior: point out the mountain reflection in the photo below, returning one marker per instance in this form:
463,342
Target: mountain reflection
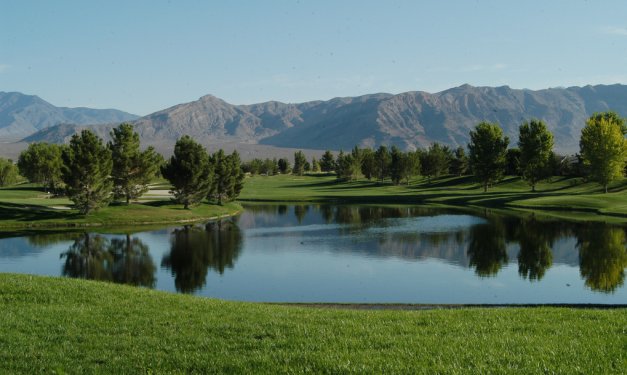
195,249
124,261
602,257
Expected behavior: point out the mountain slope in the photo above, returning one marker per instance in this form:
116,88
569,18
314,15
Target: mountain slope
408,120
22,115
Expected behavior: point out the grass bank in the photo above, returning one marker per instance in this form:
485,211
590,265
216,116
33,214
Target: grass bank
77,326
570,198
26,206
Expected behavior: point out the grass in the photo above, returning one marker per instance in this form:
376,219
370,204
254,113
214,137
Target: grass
75,326
28,206
562,197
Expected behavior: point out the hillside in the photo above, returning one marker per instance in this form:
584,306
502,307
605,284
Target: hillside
408,120
22,115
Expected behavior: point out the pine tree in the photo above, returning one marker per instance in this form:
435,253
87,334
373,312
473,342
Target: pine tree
132,169
86,172
299,163
459,164
327,162
382,163
189,172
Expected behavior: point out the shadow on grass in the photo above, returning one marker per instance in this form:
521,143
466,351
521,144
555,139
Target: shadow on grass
18,212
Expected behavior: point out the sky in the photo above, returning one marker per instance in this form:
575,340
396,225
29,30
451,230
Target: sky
143,56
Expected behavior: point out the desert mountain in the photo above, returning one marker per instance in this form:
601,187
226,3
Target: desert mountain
408,120
22,115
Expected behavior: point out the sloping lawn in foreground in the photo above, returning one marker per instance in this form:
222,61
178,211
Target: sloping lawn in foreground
76,326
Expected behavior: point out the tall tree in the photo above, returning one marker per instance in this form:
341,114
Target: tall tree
397,162
459,164
315,165
347,166
299,163
436,161
368,165
535,142
228,177
41,163
189,172
327,162
284,166
604,147
512,162
86,172
8,172
133,169
488,148
382,160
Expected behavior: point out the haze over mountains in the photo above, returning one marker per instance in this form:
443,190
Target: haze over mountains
22,115
408,120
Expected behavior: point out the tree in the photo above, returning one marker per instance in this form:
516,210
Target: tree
488,148
132,169
459,164
368,165
8,172
86,172
435,162
315,165
41,163
604,147
512,162
382,160
228,177
284,166
327,162
189,172
347,167
299,163
535,142
403,165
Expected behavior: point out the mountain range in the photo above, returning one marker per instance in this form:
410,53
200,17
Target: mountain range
22,115
408,120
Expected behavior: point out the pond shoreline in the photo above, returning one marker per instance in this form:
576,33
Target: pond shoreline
418,306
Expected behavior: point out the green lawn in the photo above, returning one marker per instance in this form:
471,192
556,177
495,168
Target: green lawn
567,197
76,326
28,206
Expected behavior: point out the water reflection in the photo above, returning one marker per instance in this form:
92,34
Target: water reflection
120,260
535,255
602,257
194,250
486,248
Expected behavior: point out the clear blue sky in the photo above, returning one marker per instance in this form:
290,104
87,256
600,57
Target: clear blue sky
142,56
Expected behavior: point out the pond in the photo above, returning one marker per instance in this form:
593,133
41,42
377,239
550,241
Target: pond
344,253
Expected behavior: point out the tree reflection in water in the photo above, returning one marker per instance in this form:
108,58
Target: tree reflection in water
124,261
535,256
602,256
486,249
196,249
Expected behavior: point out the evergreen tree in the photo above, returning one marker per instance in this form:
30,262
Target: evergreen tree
132,169
8,172
86,172
189,172
41,163
536,145
604,147
228,177
315,166
327,162
435,161
396,165
459,164
368,165
347,167
488,148
284,166
382,163
299,163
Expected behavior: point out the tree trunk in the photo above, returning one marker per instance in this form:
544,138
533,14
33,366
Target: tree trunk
485,187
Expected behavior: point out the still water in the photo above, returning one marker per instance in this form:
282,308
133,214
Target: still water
325,253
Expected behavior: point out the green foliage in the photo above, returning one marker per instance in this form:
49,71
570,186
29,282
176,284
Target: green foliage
315,165
228,177
327,162
403,165
459,163
536,144
488,149
86,172
368,163
347,166
41,163
299,163
189,172
435,161
603,257
8,172
284,166
512,162
382,162
604,147
133,169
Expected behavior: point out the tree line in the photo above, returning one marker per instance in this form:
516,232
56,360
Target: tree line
93,174
602,157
